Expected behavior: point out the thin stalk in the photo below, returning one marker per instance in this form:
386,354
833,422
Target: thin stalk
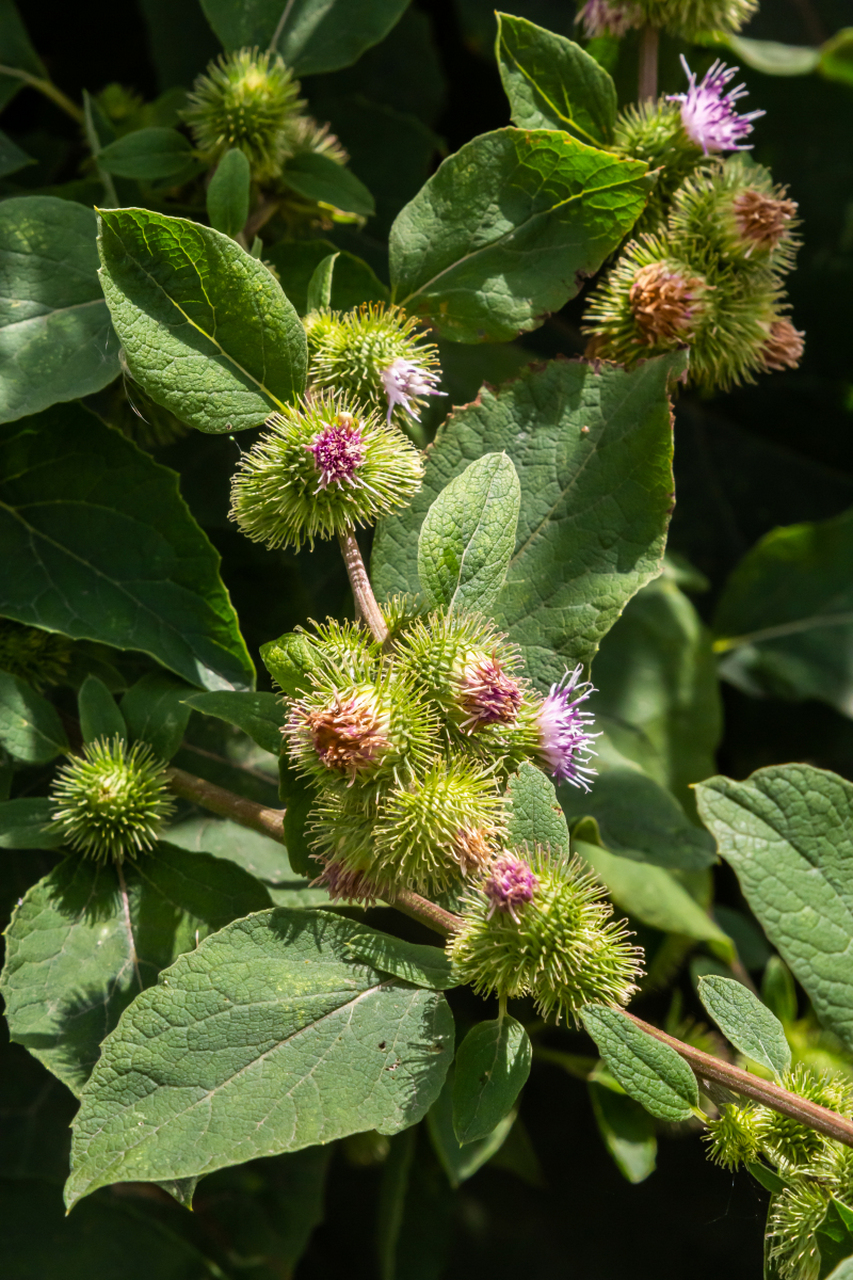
279,31
125,902
48,88
270,823
769,1095
648,76
361,588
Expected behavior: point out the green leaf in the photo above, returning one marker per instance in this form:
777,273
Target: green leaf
785,620
836,57
772,57
552,83
639,819
155,712
422,966
205,328
109,1238
99,715
147,154
260,715
262,857
70,969
468,536
834,1237
596,492
300,852
746,1022
461,1162
27,824
786,833
311,35
648,1070
30,729
100,545
294,1045
320,285
17,51
778,990
628,1131
318,177
656,673
766,1176
12,158
653,896
843,1271
56,339
508,228
353,281
229,192
492,1066
535,816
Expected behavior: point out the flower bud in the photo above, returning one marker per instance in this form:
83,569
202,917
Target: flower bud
543,929
41,658
376,356
319,471
692,19
112,801
733,1139
247,100
654,133
785,1139
795,1216
731,213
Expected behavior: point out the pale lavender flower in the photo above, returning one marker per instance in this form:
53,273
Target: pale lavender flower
404,381
565,744
338,452
708,114
510,884
609,17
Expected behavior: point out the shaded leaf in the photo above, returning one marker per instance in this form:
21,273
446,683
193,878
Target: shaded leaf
461,1162
72,963
99,714
155,712
507,229
746,1022
147,154
353,281
291,1045
468,536
12,158
311,35
205,328
56,339
552,83
834,1237
27,823
535,818
30,728
318,177
259,855
320,285
772,57
648,1070
260,715
492,1066
229,192
628,1131
17,52
593,455
100,546
422,966
786,833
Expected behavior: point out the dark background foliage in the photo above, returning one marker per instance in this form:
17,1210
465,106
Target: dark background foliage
765,455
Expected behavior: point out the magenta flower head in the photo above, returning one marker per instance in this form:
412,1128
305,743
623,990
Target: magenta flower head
565,744
708,114
510,884
338,452
405,381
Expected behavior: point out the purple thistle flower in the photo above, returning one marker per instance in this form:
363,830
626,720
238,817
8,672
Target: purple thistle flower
565,745
403,380
708,114
510,884
609,17
338,452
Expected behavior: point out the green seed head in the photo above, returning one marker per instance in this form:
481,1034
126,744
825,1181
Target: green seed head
731,215
111,802
551,938
691,19
795,1215
374,355
321,469
247,100
39,657
786,1140
654,132
734,1139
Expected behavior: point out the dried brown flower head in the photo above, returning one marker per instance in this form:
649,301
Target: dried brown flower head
349,734
763,219
784,347
471,849
487,695
663,303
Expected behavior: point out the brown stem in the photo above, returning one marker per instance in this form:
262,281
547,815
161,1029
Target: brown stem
270,822
763,1091
648,76
361,588
125,902
260,217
